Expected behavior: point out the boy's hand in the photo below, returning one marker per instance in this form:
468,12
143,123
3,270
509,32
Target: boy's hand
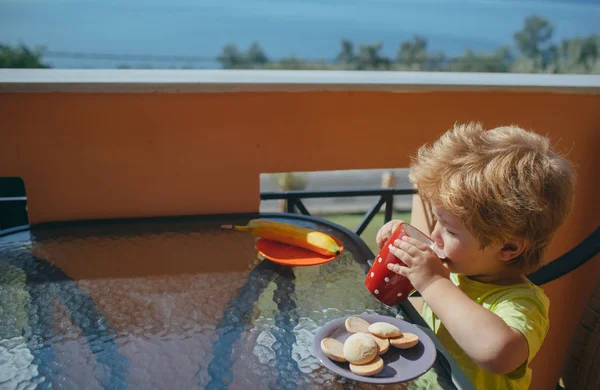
386,232
423,266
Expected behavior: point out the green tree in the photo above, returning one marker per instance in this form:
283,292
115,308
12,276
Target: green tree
370,58
579,55
293,63
413,53
524,64
535,53
535,36
497,61
230,57
346,54
534,41
20,57
255,56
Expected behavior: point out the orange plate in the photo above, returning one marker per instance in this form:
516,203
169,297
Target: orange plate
290,255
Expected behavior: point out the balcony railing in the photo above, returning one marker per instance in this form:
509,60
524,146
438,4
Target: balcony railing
386,197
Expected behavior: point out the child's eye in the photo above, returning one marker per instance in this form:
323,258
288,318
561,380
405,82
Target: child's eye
451,233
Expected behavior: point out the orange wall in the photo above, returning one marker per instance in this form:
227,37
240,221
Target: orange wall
85,156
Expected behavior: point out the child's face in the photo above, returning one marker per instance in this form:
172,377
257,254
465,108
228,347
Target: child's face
463,251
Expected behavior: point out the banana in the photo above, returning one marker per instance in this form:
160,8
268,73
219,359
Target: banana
290,234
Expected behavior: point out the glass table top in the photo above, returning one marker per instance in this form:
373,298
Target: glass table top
175,303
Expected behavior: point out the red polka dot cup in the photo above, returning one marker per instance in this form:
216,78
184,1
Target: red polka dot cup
387,286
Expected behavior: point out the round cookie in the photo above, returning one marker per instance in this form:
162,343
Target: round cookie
371,368
407,340
385,330
333,349
360,348
382,343
356,325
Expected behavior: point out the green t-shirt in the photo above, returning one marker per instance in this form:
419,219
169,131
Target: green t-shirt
523,307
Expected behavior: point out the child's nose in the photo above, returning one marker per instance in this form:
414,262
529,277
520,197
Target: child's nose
436,236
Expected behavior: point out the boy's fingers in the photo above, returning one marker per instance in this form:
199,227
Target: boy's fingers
400,254
381,239
407,247
421,245
386,232
382,236
397,268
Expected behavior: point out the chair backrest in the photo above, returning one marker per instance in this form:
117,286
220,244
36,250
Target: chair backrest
573,259
580,369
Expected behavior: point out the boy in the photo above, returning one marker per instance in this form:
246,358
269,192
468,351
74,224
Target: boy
498,196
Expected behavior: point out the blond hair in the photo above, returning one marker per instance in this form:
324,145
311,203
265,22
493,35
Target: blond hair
502,183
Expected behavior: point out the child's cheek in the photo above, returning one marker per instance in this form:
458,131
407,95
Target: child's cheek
450,248
448,239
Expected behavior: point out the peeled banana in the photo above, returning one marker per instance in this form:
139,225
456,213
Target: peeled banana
290,234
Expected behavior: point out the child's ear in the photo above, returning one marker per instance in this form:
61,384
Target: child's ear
512,249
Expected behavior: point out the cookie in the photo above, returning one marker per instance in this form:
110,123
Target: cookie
371,368
384,330
333,349
407,340
356,325
382,343
360,348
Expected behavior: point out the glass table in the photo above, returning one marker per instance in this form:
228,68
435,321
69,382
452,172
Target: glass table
179,303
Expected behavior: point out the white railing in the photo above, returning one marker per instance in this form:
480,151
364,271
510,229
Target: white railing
133,80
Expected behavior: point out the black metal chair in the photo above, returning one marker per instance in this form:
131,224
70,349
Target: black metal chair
568,262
